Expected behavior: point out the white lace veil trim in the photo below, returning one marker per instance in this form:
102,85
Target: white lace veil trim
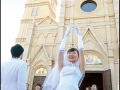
52,79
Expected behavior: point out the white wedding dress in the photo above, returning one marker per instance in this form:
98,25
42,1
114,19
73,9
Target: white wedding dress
70,76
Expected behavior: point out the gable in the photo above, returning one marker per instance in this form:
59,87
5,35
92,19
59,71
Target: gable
41,54
91,40
47,20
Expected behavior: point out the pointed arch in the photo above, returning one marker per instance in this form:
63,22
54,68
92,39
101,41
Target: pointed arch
40,49
41,70
99,55
45,19
96,37
39,64
32,13
49,38
37,11
100,42
41,39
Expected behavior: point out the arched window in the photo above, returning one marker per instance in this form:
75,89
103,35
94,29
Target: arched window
41,71
92,59
32,13
37,11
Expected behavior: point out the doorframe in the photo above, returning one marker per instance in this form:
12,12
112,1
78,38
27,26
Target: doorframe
102,71
94,71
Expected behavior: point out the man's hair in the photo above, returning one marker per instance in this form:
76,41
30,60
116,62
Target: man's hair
38,84
16,51
73,49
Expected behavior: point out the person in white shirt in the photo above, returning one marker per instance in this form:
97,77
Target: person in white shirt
13,72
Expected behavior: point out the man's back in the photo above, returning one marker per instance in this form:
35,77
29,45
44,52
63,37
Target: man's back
13,75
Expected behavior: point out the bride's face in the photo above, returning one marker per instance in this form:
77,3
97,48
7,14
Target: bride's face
72,56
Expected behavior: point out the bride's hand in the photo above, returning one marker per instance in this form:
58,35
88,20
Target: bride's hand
77,29
68,31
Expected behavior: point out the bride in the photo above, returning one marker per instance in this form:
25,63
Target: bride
69,71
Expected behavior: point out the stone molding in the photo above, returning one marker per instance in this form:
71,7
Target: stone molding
41,4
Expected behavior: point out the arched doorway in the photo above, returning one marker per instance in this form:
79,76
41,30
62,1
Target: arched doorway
39,77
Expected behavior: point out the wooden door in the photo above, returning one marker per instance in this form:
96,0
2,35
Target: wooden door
38,79
107,85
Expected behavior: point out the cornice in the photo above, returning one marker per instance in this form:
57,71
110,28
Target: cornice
20,39
30,20
53,32
41,4
26,21
99,27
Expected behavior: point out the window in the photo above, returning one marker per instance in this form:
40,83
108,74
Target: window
92,59
88,6
32,13
37,10
41,71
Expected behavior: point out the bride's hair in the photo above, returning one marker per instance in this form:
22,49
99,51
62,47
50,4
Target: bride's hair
73,49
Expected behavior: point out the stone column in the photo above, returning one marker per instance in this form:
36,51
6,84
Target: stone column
31,80
61,24
116,11
110,47
71,22
28,68
111,65
61,21
116,63
50,64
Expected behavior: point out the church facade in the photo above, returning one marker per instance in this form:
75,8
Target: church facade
41,35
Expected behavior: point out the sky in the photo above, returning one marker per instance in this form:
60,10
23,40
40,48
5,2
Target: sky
11,15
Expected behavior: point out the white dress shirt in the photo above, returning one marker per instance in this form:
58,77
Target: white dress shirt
13,75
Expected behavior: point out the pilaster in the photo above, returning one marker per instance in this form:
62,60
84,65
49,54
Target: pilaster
61,23
29,37
110,47
71,22
116,11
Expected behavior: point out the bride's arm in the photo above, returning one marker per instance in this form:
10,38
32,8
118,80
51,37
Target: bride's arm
81,51
61,49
